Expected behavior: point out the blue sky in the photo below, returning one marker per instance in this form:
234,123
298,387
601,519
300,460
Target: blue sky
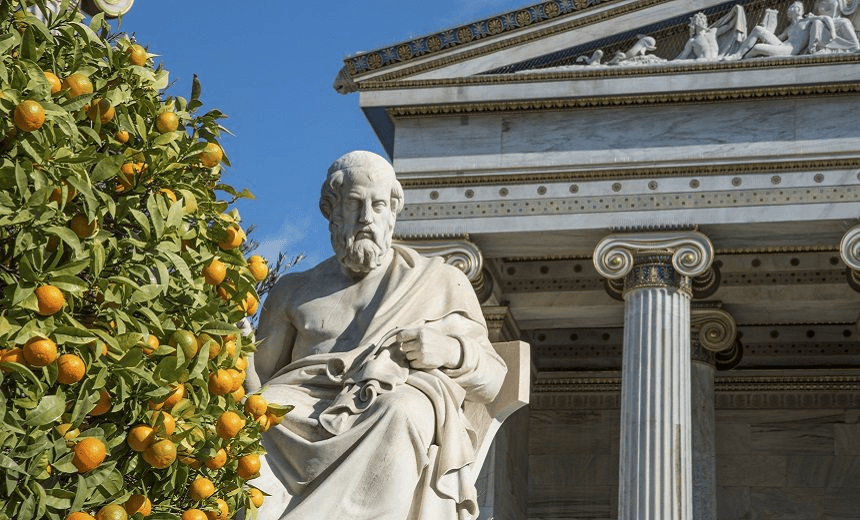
270,66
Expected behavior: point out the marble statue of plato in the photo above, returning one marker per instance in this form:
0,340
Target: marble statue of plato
377,348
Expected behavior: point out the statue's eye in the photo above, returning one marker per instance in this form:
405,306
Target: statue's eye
379,205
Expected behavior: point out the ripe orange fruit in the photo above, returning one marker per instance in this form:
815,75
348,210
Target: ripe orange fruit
140,437
83,227
250,304
138,504
78,515
40,352
223,512
186,341
101,110
122,136
169,194
258,267
160,454
275,420
167,122
174,397
194,514
241,364
14,355
71,369
228,425
256,405
56,85
89,453
50,299
238,395
218,460
220,382
77,84
201,489
264,422
256,496
103,406
29,115
214,345
230,347
215,272
112,512
167,426
136,55
249,465
152,345
234,236
57,193
68,432
211,156
238,379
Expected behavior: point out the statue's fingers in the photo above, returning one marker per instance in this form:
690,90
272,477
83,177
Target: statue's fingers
407,335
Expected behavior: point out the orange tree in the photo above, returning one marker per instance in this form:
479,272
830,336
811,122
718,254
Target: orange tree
121,365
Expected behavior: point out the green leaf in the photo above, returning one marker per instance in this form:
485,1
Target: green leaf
66,235
146,293
49,409
107,168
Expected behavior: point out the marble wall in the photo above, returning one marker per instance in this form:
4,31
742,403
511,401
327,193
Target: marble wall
771,464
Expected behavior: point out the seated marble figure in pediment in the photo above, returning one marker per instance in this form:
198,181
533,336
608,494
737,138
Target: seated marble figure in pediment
825,30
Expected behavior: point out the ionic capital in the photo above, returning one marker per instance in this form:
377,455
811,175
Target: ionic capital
849,248
713,328
691,252
460,253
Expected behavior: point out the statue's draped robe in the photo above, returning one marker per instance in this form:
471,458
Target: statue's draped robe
370,439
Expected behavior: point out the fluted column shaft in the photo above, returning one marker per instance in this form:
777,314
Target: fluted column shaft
655,474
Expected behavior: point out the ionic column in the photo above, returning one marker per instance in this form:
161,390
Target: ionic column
655,475
712,330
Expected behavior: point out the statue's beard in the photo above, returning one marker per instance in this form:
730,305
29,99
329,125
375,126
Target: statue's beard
358,252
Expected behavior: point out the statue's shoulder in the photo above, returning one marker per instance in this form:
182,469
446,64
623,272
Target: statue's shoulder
292,288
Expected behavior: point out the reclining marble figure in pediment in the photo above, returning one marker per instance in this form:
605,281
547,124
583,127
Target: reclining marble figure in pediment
378,349
826,30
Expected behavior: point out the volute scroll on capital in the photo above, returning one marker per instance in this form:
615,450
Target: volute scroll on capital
849,248
714,329
460,253
691,251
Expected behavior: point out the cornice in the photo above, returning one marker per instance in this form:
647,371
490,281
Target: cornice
555,104
726,383
514,21
574,73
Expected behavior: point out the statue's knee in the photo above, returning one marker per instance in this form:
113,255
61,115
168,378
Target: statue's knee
409,406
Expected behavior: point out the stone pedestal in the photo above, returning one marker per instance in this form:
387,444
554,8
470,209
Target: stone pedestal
655,475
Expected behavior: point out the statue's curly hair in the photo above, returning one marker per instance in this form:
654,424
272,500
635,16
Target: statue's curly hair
345,168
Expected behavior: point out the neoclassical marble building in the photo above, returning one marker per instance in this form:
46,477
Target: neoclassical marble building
665,205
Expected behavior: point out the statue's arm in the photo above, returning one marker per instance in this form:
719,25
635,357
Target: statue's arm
481,371
275,335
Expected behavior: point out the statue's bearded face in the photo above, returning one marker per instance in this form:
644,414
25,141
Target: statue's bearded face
362,227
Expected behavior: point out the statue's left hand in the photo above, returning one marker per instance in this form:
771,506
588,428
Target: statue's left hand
426,348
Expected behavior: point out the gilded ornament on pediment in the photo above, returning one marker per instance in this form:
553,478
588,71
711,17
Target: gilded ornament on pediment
551,9
374,61
580,4
495,26
434,43
464,35
350,66
404,52
524,18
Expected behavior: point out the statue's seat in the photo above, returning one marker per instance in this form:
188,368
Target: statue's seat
487,418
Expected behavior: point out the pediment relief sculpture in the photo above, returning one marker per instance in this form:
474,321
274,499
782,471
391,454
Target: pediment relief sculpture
823,31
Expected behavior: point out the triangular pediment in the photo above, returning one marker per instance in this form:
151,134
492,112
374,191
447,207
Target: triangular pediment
566,35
